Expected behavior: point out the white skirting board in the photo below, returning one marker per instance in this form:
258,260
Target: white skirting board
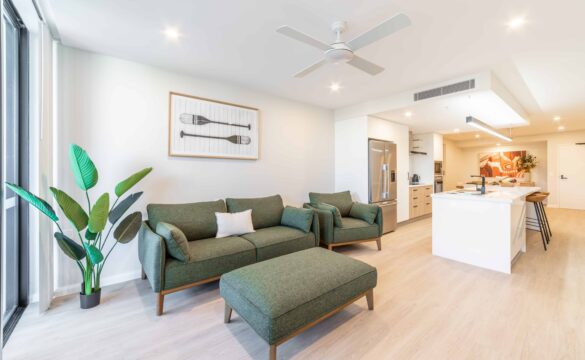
110,280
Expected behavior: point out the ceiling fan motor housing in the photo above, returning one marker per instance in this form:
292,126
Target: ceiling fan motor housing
339,52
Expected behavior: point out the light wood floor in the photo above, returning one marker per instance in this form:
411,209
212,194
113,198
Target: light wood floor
426,308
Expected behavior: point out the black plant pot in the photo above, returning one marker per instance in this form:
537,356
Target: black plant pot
89,301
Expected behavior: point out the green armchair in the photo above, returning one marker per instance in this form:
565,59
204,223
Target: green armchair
343,221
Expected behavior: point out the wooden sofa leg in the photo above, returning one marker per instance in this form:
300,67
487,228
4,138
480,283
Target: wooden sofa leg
379,242
272,353
143,274
227,314
370,299
329,246
160,301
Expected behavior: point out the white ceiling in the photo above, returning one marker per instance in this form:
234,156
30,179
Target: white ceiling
449,113
234,40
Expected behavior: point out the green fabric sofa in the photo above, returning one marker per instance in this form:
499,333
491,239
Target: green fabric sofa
276,299
206,258
343,221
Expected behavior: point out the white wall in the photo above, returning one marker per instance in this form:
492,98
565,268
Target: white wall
398,134
351,157
467,162
118,111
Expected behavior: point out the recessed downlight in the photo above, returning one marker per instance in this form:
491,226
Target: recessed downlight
334,87
516,23
498,144
557,118
456,130
561,128
408,114
172,33
477,136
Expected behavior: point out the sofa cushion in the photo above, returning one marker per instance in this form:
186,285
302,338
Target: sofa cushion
337,219
196,220
266,211
354,229
365,212
341,200
209,258
279,296
297,218
279,240
176,241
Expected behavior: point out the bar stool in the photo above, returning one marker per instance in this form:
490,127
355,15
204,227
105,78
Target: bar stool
537,200
543,212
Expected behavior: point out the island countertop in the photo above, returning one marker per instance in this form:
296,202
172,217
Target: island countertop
493,193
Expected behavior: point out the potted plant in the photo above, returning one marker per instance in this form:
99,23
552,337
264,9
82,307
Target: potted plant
526,163
92,238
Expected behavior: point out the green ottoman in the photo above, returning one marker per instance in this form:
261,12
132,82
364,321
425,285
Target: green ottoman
281,297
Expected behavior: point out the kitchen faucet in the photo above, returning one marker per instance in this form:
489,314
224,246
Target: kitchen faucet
482,183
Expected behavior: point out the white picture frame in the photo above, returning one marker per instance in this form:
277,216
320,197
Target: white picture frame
201,127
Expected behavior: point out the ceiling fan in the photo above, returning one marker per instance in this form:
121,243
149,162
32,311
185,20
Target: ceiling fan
341,51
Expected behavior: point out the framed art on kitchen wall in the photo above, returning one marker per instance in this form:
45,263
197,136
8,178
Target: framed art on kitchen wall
200,127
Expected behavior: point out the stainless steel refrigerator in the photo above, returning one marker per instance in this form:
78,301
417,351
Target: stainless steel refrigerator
382,180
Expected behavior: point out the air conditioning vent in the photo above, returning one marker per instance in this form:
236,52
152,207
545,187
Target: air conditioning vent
445,90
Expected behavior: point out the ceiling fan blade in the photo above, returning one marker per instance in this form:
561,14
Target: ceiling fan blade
386,28
310,68
302,37
365,65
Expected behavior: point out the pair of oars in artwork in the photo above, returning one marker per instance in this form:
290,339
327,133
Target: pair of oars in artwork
193,119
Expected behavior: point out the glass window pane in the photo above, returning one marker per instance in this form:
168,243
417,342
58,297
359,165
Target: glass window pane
10,118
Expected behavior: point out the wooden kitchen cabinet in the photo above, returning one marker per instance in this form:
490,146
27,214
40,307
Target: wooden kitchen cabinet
420,200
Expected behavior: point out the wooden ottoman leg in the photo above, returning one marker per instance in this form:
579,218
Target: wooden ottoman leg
272,353
227,314
370,299
379,242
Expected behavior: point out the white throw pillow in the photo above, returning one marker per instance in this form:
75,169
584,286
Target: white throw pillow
229,224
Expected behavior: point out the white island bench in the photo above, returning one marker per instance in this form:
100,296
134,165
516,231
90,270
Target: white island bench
488,230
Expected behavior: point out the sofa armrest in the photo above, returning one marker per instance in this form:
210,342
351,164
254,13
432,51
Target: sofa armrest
152,255
380,221
315,228
325,224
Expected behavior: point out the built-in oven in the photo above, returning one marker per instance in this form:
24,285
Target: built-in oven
439,168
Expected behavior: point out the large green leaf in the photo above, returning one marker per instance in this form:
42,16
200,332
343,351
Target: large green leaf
70,247
125,185
94,254
85,172
35,201
117,212
71,209
128,228
99,214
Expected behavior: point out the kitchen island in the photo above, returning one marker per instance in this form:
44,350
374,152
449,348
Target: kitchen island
486,230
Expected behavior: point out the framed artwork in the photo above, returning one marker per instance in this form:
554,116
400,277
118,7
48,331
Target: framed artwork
200,127
503,163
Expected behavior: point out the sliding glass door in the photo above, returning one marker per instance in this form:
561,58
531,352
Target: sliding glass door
13,161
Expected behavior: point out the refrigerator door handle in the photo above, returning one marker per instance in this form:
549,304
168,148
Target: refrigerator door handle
384,194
